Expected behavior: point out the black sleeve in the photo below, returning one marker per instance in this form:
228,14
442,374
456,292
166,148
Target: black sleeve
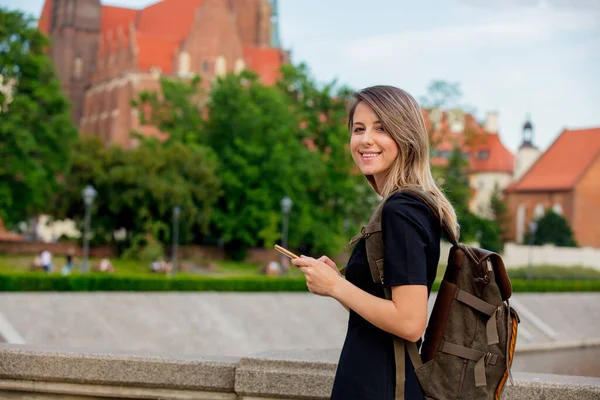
405,236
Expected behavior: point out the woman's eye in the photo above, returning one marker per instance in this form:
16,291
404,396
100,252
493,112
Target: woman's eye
356,130
380,129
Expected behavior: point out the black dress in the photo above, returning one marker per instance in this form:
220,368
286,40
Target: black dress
411,234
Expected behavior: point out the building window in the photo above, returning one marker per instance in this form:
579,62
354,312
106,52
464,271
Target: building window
77,67
483,154
520,223
239,66
220,66
538,212
184,64
557,208
204,67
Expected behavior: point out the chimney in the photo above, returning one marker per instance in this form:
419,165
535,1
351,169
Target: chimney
491,122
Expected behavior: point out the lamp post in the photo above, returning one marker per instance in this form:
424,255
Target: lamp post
176,215
88,194
532,229
346,226
286,207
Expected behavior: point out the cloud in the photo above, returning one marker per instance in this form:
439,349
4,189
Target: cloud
513,27
514,58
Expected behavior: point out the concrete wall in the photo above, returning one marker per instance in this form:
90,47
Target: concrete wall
44,374
517,256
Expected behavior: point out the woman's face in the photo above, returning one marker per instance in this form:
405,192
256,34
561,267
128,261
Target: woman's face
373,149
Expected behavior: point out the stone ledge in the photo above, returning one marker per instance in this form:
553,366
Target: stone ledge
29,372
306,374
122,369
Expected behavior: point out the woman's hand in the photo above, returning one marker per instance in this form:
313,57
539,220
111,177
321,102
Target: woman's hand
329,262
322,275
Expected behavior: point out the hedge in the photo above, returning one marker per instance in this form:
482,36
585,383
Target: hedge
35,282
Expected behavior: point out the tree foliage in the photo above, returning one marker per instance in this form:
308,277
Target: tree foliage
138,189
457,189
287,140
499,210
36,131
552,228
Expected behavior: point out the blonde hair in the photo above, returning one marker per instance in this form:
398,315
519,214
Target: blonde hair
401,118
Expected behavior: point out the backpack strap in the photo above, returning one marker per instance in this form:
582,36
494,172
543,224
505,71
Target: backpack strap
400,347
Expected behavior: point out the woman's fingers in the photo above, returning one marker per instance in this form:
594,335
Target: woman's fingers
328,261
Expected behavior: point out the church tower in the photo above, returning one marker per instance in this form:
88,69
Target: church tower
75,33
528,153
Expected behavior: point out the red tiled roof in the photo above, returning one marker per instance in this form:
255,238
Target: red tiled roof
114,17
472,140
168,18
563,164
160,28
156,51
44,21
264,61
499,158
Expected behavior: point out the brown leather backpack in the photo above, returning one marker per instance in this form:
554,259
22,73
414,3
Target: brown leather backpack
470,338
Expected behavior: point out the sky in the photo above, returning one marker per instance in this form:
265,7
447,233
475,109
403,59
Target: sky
513,57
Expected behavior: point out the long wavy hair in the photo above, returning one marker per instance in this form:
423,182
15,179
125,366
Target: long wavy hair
401,118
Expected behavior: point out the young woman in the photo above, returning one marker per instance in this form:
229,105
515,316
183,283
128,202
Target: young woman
390,145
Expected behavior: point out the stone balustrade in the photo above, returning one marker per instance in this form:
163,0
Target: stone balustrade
28,372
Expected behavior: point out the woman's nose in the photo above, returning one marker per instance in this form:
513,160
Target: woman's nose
367,136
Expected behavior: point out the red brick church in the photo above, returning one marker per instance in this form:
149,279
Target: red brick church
105,56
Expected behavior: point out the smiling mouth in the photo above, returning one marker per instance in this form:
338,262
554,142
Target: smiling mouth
369,156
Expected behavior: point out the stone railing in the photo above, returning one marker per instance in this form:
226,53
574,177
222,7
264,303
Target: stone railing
27,372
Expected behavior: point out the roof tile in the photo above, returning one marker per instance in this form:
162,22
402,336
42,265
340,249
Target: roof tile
563,164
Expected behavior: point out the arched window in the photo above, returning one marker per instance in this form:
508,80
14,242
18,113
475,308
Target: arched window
220,66
538,212
239,66
77,67
557,208
520,223
184,63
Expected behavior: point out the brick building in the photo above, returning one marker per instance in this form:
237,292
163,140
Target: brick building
105,56
565,178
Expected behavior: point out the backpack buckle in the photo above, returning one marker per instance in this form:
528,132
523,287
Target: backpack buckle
363,232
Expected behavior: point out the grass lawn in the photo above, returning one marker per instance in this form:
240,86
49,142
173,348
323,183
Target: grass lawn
227,268
20,263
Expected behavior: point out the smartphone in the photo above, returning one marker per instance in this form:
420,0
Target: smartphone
285,252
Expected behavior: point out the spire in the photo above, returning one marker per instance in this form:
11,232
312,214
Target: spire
527,132
275,42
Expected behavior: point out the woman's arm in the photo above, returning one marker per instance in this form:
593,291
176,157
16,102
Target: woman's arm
405,316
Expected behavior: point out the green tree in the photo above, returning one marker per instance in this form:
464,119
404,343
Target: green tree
263,159
176,110
552,228
36,131
138,189
347,195
457,189
499,210
456,182
441,94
